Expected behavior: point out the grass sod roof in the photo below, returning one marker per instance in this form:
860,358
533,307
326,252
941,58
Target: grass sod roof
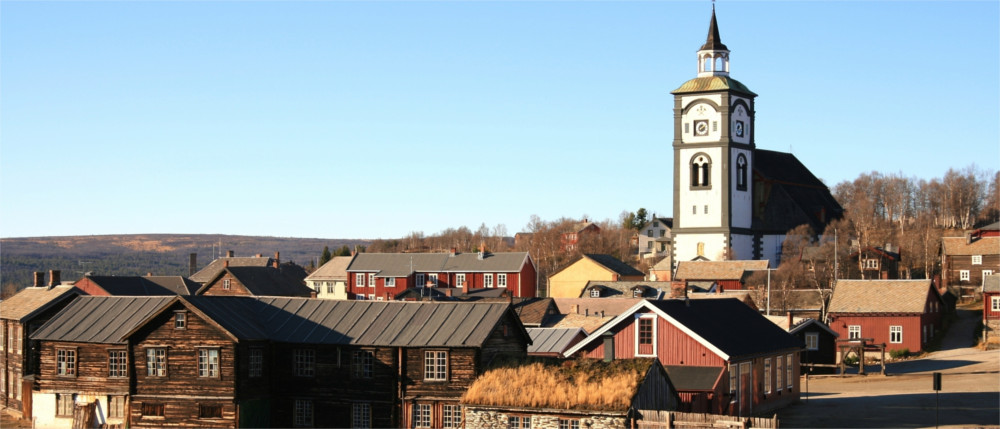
576,384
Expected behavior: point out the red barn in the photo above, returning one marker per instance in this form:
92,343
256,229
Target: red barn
723,356
902,314
381,276
717,276
991,308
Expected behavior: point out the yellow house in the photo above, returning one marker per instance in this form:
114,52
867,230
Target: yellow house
570,281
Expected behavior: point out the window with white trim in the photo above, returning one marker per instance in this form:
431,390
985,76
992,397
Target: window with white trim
432,278
180,320
488,280
436,365
518,422
419,280
359,280
777,372
208,362
595,293
987,273
871,264
371,297
66,362
117,363
767,375
304,362
371,279
995,303
227,284
303,413
361,415
422,415
64,404
156,362
116,407
459,280
502,280
390,282
896,334
788,371
569,423
963,275
977,259
329,287
854,332
451,416
812,341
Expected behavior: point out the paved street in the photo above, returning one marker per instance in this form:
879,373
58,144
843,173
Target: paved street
970,394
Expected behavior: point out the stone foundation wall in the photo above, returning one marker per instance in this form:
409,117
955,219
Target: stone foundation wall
497,419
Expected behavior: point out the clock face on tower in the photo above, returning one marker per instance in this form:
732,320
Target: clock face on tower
738,129
701,128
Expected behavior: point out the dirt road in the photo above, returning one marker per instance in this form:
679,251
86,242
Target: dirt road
970,394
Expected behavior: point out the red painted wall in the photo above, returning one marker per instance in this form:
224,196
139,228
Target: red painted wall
988,313
88,287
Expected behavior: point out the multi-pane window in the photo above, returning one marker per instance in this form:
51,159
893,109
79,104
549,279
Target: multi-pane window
451,416
501,280
256,362
209,411
227,284
66,362
156,362
788,371
116,407
645,331
359,279
117,363
595,293
519,422
436,365
390,282
359,297
987,273
64,404
361,415
329,287
419,280
362,363
995,303
180,320
371,279
812,341
871,264
777,370
208,362
569,424
963,275
895,334
767,375
304,362
152,409
977,259
488,280
854,332
303,412
459,280
422,415
432,279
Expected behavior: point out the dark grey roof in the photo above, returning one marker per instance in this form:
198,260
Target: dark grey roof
414,293
289,269
481,293
687,378
613,264
101,319
794,196
991,283
730,325
404,264
623,289
553,340
145,286
713,41
266,281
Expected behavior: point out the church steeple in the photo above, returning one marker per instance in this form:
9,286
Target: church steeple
713,57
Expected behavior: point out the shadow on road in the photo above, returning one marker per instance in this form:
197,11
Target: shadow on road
925,365
894,411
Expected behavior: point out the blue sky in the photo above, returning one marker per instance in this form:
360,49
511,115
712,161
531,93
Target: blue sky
377,119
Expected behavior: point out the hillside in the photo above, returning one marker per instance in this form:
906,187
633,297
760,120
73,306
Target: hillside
160,254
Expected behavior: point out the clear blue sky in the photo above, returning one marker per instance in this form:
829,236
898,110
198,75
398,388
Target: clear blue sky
377,119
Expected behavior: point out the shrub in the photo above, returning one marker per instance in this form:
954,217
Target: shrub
851,360
899,353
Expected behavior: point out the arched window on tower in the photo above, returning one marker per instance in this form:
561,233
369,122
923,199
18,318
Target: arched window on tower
720,64
741,172
701,171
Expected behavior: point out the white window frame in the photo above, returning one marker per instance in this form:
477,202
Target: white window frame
359,279
460,280
767,375
487,280
66,362
812,341
156,362
329,287
422,416
227,284
788,371
638,319
435,365
595,293
433,279
569,423
180,320
65,403
853,332
977,259
361,415
371,297
896,334
995,303
208,362
502,280
390,282
451,416
987,273
371,279
778,367
963,275
304,362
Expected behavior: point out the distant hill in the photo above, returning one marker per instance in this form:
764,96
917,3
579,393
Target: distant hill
139,254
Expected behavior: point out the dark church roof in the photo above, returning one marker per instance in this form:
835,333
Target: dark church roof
787,194
714,41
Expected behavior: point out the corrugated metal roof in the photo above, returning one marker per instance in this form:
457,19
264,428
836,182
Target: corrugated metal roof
880,296
100,319
32,300
553,340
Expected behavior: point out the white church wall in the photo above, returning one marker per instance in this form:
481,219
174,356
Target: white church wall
693,202
686,246
741,202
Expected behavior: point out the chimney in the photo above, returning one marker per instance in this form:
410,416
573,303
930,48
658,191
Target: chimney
789,319
277,257
482,250
275,264
39,278
454,251
225,264
192,264
54,279
260,255
678,289
148,274
609,347
968,238
229,253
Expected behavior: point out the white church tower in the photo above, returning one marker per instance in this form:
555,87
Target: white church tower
713,160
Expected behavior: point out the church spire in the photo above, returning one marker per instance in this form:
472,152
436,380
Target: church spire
713,57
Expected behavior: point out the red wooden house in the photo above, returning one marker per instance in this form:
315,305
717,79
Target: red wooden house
991,309
902,314
717,276
965,261
382,276
877,262
753,364
576,232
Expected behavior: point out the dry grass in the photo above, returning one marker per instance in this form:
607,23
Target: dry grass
582,384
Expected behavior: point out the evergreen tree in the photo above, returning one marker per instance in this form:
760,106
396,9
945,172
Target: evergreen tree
326,256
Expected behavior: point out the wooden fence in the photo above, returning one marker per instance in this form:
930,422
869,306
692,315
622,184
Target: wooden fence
670,419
